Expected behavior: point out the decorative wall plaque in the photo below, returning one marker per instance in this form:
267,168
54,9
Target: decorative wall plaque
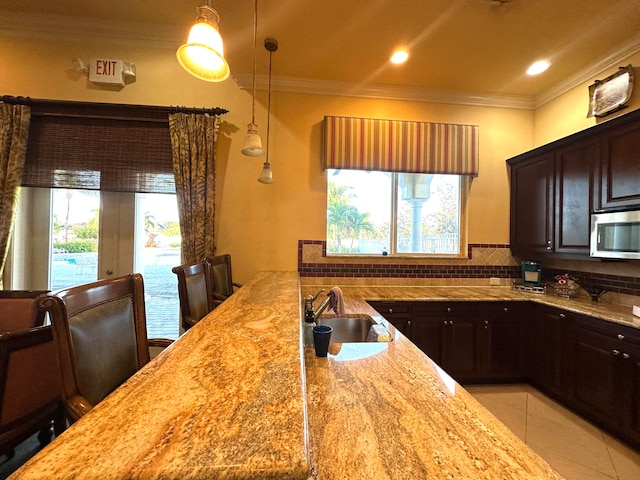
612,93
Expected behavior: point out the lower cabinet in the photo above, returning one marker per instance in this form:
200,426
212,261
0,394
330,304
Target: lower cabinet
450,334
604,384
503,338
548,331
475,342
397,313
590,365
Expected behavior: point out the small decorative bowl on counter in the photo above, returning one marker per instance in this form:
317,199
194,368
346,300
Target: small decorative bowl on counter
566,286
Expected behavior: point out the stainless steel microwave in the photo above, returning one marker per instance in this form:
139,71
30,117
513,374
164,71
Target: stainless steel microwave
616,235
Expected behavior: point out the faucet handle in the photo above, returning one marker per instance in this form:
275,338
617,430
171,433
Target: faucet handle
316,295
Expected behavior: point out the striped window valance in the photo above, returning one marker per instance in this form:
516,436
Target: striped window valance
400,146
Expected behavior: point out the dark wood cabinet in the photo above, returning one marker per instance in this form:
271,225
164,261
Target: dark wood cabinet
604,379
502,341
427,329
548,332
621,168
532,204
576,195
590,365
472,341
555,188
397,313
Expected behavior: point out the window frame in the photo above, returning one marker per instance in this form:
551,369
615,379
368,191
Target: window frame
464,185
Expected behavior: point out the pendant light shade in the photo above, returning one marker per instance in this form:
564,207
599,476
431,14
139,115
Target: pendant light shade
266,176
253,143
203,54
271,44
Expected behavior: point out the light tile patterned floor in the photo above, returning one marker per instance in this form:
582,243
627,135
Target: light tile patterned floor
574,447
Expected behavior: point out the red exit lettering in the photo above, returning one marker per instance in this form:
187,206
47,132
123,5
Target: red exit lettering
106,67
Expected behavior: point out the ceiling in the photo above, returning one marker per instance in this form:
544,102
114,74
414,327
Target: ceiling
457,47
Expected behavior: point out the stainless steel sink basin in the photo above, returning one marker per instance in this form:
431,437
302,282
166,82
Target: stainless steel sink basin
348,328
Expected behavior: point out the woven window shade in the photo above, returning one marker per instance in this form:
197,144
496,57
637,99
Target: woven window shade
400,146
99,153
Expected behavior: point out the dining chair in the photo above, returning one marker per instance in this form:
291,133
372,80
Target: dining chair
19,310
223,284
195,292
100,334
30,388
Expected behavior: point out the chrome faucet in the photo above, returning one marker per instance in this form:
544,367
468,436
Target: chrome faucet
310,314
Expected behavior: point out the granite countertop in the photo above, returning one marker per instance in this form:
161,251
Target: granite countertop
603,310
238,397
386,411
226,400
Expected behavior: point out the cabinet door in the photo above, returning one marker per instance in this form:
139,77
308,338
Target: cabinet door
461,357
630,391
502,355
532,204
621,168
595,360
576,191
427,329
397,313
547,351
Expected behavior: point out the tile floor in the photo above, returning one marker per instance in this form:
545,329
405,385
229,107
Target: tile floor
575,448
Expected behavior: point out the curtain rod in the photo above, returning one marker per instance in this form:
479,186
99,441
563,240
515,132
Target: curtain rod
43,106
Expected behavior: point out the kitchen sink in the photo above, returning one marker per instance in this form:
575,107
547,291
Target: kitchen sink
348,328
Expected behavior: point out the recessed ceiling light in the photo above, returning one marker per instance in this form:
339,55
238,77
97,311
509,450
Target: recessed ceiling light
399,56
538,67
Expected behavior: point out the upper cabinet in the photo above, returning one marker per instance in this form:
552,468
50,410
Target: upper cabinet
621,168
556,187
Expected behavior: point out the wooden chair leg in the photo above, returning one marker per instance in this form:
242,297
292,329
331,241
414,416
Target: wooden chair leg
44,437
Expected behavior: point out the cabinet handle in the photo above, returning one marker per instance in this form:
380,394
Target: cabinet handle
620,336
625,356
486,322
449,309
391,310
506,309
616,352
409,323
562,315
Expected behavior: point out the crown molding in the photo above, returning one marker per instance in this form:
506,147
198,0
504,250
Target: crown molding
70,28
64,28
591,72
384,92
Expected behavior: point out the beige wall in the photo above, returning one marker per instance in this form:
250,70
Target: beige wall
260,225
567,114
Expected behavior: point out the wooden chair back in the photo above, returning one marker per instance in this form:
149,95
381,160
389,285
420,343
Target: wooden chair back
223,284
195,292
100,335
19,310
30,388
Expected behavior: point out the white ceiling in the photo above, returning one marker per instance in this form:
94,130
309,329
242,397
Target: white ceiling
470,48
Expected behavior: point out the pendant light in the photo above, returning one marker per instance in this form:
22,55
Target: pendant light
271,44
253,143
203,55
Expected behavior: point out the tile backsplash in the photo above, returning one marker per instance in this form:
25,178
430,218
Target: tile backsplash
482,263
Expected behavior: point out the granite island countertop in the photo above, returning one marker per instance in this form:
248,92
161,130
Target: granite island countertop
226,400
238,397
386,411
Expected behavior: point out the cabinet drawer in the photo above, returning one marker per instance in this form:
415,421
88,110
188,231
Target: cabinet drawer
390,308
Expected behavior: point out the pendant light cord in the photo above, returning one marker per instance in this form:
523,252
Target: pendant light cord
255,32
269,107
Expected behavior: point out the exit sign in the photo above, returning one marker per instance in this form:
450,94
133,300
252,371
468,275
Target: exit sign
106,70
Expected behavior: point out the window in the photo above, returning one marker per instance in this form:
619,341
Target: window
383,213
